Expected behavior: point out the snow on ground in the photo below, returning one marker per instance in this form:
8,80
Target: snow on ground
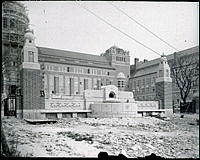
175,137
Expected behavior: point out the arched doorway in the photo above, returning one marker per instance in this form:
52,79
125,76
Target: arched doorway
112,95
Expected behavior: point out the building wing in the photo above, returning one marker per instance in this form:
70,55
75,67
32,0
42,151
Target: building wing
73,58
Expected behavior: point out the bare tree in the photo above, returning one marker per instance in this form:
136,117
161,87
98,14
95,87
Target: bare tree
185,71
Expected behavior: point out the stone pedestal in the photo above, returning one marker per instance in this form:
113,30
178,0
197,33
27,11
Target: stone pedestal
164,94
164,85
31,87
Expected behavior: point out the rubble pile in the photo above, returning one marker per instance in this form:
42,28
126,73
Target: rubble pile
136,137
119,121
77,136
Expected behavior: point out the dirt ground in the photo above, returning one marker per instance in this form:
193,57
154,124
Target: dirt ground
174,137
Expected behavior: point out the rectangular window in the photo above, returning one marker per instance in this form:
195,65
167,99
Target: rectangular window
143,82
12,23
98,84
119,84
56,85
71,86
99,72
85,84
55,68
108,82
147,90
154,79
123,84
30,56
5,23
79,70
75,70
67,69
47,67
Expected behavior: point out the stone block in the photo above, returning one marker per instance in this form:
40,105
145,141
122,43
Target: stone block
126,107
117,107
106,107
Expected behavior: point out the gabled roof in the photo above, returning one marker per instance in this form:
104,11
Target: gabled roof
149,70
150,67
73,58
185,52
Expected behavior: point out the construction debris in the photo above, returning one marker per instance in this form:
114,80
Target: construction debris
137,137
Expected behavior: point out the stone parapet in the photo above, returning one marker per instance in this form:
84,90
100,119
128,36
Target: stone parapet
105,110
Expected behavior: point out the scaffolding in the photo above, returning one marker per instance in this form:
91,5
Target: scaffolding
15,21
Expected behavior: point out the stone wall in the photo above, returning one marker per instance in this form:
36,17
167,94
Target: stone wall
64,104
147,105
112,110
125,96
93,97
31,86
164,93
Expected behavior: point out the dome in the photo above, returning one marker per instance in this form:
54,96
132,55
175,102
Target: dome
29,35
121,75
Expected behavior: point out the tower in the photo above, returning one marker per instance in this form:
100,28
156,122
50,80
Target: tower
31,79
120,60
164,85
14,23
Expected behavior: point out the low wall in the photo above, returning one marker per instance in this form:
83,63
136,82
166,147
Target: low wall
106,110
147,105
68,104
125,96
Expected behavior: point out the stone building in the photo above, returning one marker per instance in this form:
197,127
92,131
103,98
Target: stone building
143,75
43,82
70,73
49,77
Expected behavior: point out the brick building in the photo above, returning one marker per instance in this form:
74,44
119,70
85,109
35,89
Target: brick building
70,73
143,75
47,78
51,76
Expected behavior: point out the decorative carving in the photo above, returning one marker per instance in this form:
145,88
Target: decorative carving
71,105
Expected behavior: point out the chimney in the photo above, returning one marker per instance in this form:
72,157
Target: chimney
136,60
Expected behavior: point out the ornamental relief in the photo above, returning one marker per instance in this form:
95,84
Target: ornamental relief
71,105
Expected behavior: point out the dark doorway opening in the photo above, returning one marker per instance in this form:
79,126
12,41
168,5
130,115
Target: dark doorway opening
112,95
13,89
10,106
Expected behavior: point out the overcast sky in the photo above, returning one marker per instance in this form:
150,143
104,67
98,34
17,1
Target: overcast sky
65,25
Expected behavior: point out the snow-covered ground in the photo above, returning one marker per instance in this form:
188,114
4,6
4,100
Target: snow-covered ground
85,137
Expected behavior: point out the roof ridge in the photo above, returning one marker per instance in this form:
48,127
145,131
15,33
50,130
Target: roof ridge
68,51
